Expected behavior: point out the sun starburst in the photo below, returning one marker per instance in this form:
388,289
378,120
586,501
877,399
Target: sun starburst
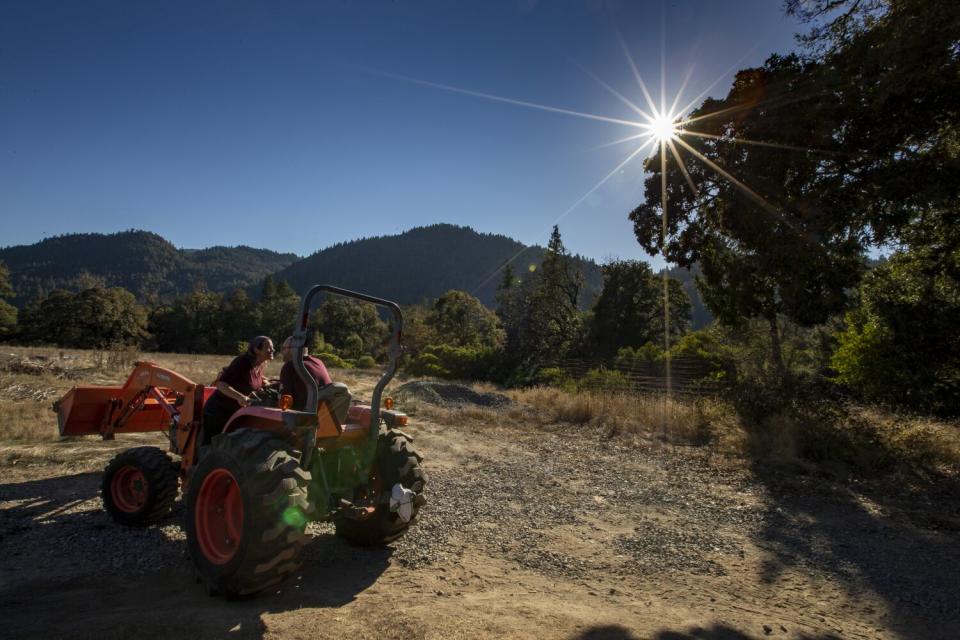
663,127
659,128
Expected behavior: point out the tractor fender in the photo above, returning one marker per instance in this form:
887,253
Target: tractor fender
258,418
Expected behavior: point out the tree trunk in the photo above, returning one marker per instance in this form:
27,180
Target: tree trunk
776,353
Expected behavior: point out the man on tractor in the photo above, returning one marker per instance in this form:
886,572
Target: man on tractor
290,382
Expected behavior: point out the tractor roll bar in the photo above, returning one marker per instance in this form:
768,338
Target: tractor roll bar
300,339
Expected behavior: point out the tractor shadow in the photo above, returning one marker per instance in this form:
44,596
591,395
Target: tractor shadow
67,570
333,574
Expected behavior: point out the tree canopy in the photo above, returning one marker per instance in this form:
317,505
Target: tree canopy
461,320
8,313
808,162
339,318
629,311
768,242
95,317
540,313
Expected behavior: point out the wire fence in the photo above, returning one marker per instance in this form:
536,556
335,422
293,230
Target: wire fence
688,375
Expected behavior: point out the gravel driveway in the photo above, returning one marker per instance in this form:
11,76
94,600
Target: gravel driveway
527,533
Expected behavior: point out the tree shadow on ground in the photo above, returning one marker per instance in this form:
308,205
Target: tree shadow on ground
616,632
606,632
715,632
894,537
69,571
51,495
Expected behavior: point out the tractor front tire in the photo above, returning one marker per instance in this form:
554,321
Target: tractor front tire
246,510
397,461
139,486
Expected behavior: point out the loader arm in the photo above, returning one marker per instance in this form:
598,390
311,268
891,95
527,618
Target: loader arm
150,400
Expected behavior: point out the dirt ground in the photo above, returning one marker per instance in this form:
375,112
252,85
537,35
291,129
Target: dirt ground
529,533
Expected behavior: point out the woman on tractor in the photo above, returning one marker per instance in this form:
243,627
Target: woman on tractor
242,377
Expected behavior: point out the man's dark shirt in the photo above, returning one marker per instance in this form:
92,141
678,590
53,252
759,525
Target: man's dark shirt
242,376
291,383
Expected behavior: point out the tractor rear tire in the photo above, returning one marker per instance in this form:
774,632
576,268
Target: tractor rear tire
247,510
397,461
139,486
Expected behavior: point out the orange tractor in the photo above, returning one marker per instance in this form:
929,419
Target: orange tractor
251,492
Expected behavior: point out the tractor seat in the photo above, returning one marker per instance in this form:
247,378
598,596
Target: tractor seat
334,399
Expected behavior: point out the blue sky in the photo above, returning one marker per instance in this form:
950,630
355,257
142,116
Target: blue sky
287,125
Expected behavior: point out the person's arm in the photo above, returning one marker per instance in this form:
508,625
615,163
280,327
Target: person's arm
232,393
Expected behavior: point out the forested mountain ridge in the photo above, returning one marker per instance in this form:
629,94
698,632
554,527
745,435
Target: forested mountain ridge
422,263
416,266
142,262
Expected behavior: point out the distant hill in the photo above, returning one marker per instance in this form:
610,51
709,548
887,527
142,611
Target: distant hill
413,267
421,264
139,261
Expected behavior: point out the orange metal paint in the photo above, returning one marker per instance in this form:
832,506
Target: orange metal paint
219,516
128,488
328,427
144,403
360,414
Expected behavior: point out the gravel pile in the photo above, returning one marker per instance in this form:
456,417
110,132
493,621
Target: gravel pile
446,394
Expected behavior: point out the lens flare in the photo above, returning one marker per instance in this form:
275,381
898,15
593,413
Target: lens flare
294,517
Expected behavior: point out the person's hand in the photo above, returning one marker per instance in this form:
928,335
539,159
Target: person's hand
245,401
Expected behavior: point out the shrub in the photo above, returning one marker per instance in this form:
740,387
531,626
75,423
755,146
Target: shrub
427,364
552,377
602,378
335,361
366,362
319,345
649,352
902,344
352,346
459,363
706,346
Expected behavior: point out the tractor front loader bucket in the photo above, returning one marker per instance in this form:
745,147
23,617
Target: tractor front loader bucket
151,400
85,411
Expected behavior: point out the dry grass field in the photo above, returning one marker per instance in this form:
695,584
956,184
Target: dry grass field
868,438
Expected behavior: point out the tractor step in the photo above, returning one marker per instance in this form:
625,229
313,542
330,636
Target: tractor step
347,509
